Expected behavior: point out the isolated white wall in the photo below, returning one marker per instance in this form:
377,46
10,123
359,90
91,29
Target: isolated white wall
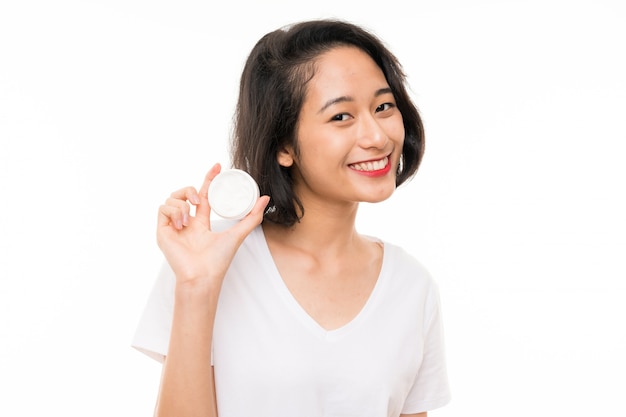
108,106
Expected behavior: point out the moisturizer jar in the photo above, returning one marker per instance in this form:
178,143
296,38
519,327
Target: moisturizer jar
233,193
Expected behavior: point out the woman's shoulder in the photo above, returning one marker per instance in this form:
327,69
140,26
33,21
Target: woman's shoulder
404,265
397,253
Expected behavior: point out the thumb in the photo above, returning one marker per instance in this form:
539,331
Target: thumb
253,219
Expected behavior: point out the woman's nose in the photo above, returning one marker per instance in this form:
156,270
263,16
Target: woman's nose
371,134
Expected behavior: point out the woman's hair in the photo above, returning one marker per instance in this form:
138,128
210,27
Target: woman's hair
272,91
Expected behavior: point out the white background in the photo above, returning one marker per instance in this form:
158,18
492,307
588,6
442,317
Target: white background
518,210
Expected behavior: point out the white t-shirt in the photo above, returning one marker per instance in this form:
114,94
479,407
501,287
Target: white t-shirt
271,359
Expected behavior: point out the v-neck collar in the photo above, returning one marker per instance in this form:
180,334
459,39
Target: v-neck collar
300,313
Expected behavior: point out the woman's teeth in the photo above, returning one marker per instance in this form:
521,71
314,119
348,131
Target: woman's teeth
371,165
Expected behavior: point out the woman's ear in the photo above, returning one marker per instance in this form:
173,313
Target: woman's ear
285,156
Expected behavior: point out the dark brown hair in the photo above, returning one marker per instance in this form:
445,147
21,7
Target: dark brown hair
272,91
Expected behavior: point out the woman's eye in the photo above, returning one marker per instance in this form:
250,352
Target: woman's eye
341,117
385,106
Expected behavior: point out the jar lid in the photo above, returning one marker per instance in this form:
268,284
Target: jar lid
233,193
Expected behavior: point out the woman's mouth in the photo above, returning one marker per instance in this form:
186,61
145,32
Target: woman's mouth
378,167
371,165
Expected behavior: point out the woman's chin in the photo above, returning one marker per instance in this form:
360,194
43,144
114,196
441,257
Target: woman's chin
379,196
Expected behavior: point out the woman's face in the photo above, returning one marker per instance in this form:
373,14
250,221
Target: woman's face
350,133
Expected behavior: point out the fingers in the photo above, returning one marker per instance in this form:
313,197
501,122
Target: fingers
186,194
176,210
203,210
177,217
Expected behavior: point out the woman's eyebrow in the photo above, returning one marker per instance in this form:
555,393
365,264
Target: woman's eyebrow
343,99
336,100
385,90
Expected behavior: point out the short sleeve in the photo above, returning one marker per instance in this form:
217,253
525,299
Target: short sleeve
153,331
431,387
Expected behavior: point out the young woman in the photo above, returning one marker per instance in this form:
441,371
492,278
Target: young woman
290,311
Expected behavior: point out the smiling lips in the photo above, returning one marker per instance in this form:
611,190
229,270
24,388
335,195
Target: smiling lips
372,168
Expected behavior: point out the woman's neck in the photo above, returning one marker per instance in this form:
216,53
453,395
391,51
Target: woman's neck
319,230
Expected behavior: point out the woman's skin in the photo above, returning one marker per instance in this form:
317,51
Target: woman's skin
350,137
349,120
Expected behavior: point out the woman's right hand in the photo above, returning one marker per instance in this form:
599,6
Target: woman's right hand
196,254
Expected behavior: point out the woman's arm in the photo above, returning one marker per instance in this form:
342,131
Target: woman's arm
414,415
187,385
199,259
